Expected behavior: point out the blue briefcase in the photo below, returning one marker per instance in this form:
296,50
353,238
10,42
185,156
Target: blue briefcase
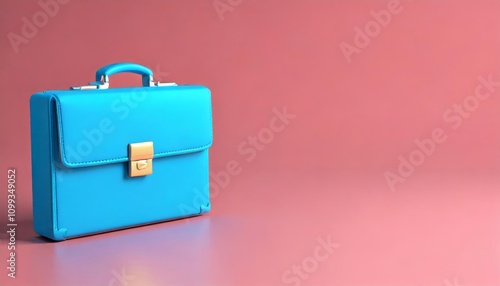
111,158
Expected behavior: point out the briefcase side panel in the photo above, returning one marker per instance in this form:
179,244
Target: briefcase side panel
43,138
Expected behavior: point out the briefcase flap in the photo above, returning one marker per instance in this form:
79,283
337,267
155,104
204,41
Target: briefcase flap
95,127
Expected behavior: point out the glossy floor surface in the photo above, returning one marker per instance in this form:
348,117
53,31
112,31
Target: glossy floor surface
320,227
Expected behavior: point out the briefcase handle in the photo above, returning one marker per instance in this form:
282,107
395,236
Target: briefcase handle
105,72
102,76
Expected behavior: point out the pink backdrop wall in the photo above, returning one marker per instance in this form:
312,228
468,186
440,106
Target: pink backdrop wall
354,111
260,56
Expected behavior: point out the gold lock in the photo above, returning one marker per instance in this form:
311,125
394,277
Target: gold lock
140,159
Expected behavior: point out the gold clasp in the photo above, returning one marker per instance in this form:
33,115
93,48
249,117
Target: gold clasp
140,159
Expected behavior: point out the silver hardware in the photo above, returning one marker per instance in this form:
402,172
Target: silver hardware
165,84
83,87
152,83
104,84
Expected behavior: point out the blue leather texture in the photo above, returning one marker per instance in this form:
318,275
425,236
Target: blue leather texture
176,118
115,68
79,142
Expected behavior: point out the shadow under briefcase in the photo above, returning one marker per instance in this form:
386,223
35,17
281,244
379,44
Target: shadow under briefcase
110,158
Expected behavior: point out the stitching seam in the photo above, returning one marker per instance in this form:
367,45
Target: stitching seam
121,159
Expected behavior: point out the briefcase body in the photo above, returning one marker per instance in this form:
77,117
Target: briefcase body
112,158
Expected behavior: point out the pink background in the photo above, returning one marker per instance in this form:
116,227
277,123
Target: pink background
322,175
